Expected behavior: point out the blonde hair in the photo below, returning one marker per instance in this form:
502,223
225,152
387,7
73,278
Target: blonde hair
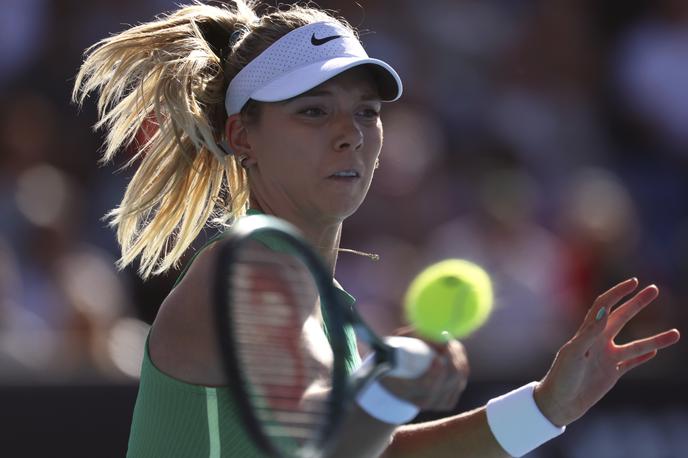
172,74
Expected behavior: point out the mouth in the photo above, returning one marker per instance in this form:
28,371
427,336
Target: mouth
345,175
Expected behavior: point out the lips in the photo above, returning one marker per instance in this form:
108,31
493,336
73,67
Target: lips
346,173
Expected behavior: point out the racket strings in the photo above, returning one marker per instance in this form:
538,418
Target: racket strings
284,354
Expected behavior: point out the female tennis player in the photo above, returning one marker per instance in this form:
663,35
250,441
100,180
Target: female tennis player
280,114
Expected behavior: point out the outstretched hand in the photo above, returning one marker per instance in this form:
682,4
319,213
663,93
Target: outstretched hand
590,364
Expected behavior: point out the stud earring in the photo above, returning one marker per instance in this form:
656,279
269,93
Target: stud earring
241,159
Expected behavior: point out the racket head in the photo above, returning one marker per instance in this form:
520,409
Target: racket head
287,377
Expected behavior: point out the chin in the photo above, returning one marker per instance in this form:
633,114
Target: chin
340,209
340,201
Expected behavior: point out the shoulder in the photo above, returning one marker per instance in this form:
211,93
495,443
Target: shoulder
183,338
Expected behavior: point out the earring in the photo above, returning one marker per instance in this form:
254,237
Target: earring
241,159
377,163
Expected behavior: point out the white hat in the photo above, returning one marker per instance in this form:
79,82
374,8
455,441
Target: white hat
303,59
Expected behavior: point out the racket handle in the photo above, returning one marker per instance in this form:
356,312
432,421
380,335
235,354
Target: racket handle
413,357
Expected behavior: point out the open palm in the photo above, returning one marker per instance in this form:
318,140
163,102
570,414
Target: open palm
590,364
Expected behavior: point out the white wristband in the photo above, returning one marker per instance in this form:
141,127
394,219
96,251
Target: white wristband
383,405
517,423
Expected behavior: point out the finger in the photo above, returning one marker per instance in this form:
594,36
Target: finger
457,376
443,346
406,331
456,351
437,400
445,393
449,400
459,363
647,345
626,366
596,319
613,295
410,331
625,312
451,404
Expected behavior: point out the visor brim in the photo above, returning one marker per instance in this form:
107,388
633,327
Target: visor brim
307,77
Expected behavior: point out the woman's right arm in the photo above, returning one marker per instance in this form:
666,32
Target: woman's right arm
183,344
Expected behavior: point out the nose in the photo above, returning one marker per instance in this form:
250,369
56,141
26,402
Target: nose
348,134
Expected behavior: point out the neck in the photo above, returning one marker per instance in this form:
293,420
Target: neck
323,236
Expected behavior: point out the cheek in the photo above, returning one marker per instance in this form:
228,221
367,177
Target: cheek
374,143
288,156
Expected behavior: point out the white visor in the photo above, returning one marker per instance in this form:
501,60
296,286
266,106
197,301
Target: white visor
303,59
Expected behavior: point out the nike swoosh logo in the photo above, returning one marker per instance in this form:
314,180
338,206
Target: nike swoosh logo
321,41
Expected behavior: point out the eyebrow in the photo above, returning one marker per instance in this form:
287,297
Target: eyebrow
322,92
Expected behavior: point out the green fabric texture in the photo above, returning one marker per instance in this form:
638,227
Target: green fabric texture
176,419
173,419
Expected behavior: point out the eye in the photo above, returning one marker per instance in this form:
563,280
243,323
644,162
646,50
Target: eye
312,112
370,113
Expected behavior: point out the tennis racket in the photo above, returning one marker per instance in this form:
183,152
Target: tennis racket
286,370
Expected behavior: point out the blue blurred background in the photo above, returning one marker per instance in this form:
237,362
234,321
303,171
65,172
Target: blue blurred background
546,140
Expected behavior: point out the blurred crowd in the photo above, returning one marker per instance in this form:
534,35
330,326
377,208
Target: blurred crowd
546,140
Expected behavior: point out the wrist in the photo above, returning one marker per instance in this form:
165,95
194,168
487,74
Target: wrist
380,404
544,400
517,423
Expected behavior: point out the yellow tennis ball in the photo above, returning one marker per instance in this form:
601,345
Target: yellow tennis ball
452,296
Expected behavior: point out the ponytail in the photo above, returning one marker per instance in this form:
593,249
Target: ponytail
166,73
172,74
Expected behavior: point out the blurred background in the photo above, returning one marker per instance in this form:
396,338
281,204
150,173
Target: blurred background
546,140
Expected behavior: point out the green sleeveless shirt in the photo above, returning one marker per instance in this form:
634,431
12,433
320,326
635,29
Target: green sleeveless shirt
178,419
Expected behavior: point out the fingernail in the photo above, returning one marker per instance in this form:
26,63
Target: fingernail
600,314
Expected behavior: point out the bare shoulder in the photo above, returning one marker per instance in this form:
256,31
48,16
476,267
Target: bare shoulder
182,342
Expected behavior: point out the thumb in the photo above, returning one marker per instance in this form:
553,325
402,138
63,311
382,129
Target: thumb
406,331
439,347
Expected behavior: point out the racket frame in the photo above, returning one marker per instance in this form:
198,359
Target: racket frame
248,228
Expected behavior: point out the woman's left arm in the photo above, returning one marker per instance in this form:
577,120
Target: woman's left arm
584,370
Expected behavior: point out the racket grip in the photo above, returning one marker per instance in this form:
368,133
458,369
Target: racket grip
413,357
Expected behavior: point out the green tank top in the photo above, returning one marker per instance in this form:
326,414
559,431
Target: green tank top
176,419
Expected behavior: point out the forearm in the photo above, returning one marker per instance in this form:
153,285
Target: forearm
466,434
519,421
361,436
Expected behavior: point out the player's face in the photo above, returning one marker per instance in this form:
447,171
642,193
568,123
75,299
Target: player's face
316,152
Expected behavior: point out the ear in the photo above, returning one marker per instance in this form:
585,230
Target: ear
237,138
